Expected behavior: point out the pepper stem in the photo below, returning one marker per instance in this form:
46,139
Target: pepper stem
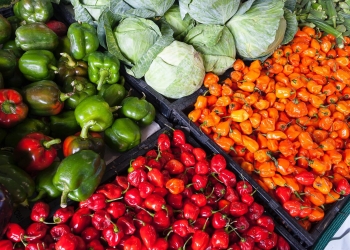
65,96
8,107
64,196
40,195
85,129
53,67
114,108
48,144
104,73
77,86
70,62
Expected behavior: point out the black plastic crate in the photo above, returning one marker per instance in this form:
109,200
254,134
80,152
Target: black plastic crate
6,12
306,238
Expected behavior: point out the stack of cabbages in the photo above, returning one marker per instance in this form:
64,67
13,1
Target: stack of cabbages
172,44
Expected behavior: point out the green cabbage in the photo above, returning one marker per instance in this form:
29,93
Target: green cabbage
209,11
259,30
158,7
179,26
177,71
216,44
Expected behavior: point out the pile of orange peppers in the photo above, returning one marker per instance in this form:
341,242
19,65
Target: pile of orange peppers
285,121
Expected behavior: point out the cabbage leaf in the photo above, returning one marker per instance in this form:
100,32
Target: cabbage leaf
258,28
209,11
156,7
292,26
179,26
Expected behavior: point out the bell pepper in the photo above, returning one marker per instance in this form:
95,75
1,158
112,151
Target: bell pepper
8,63
80,87
6,157
79,175
37,65
139,110
15,23
63,46
12,108
84,140
19,184
5,30
35,152
63,125
124,134
11,45
43,183
68,67
83,40
103,68
27,126
6,209
44,98
95,113
33,11
36,36
113,94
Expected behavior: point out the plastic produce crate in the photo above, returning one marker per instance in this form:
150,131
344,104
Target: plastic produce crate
306,238
6,12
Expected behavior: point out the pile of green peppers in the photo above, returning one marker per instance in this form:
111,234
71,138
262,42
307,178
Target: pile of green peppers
74,92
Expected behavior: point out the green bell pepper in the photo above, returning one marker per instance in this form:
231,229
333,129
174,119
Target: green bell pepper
123,135
44,98
33,11
103,68
64,124
11,45
68,67
19,184
79,175
6,157
113,93
15,23
81,87
5,30
63,46
37,65
36,36
140,110
8,63
27,126
95,113
83,40
44,185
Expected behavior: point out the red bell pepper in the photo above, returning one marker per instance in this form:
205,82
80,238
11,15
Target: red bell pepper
35,152
12,108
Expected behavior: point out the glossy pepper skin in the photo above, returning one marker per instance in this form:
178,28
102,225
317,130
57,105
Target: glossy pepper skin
12,108
18,182
103,68
36,36
33,11
83,40
78,175
44,185
63,125
37,65
93,112
80,87
5,30
44,98
124,134
11,45
113,94
138,109
8,63
35,152
68,67
6,209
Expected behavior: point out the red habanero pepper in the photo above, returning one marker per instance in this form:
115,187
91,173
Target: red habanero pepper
188,159
219,220
127,224
199,181
163,142
40,211
270,242
190,211
283,194
110,190
14,232
220,239
227,177
282,244
305,178
246,243
200,240
36,231
132,197
217,163
342,187
62,215
175,242
242,224
238,208
258,233
133,243
244,187
101,219
154,202
255,211
6,245
139,162
199,154
80,220
90,233
70,241
12,108
175,166
182,228
95,245
179,138
113,234
136,177
35,152
148,235
267,222
94,202
293,207
155,177
59,230
146,189
116,209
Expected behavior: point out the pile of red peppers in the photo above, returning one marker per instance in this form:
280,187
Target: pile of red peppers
173,197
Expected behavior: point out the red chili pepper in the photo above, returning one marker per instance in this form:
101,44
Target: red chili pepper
90,234
148,235
283,194
70,241
174,200
132,197
95,202
133,243
162,191
174,167
155,177
146,189
80,220
62,215
186,148
175,241
95,245
139,162
241,224
200,240
12,108
199,154
227,177
182,228
151,154
342,187
201,167
100,219
122,181
282,244
220,239
38,245
305,178
238,208
161,220
110,190
154,164
247,199
154,202
231,194
270,242
244,187
258,233
199,200
113,235
219,190
199,181
219,220
179,138
59,230
255,211
14,232
35,231
143,217
188,159
293,207
6,245
116,209
267,222
190,211
136,177
161,244
246,243
217,163
163,142
224,206
35,152
127,225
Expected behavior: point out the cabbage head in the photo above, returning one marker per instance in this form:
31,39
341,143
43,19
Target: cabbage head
259,30
216,44
209,11
135,36
179,25
158,7
177,71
